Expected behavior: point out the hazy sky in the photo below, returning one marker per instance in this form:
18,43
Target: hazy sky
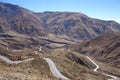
102,9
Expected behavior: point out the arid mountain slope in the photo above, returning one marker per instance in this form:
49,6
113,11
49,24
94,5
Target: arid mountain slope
14,18
73,26
23,32
105,48
72,65
76,25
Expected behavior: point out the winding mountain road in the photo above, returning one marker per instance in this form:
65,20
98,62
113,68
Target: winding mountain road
54,70
5,59
97,67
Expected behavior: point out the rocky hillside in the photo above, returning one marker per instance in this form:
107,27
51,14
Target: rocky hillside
105,48
76,25
23,33
15,19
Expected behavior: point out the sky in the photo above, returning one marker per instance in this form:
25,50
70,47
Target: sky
101,9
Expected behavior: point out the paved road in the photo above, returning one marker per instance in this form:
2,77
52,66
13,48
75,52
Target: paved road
54,70
113,77
97,67
5,59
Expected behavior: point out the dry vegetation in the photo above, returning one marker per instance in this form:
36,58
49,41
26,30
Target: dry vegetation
38,69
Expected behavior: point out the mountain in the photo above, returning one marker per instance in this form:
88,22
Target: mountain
76,25
14,18
21,28
69,25
105,49
18,27
64,37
